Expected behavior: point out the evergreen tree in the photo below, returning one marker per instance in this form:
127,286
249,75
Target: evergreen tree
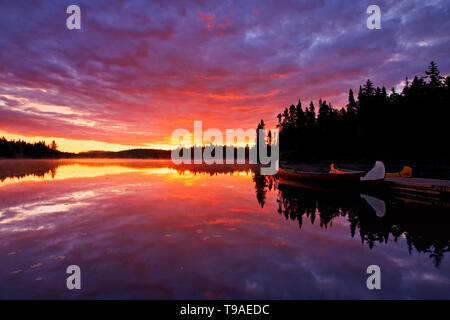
54,146
411,125
434,75
351,106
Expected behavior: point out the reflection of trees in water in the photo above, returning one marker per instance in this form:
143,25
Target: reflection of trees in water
40,168
262,185
19,169
214,169
424,228
308,206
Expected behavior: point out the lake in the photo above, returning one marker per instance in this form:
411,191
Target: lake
148,229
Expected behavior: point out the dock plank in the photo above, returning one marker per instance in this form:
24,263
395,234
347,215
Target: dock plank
423,182
419,189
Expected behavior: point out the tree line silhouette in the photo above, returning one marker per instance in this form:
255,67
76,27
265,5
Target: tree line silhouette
376,125
40,150
22,149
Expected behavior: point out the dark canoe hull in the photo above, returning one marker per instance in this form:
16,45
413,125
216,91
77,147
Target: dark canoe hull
316,176
327,180
406,172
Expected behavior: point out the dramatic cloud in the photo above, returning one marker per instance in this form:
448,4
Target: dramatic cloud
139,69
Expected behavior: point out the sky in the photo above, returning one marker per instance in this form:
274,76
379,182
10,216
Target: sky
138,70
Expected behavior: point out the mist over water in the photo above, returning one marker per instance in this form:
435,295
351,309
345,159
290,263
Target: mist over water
149,229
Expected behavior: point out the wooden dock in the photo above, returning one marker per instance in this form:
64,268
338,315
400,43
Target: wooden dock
420,190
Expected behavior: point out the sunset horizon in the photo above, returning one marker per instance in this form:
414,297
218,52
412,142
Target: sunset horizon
231,157
115,86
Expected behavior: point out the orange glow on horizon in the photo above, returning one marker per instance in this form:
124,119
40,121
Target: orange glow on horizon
73,145
65,169
76,146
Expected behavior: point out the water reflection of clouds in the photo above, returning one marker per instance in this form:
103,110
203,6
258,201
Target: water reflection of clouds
145,236
28,210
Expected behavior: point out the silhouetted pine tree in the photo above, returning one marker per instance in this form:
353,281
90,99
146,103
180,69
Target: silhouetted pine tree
408,126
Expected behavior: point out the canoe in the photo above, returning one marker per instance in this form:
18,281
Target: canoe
406,172
375,175
316,176
371,180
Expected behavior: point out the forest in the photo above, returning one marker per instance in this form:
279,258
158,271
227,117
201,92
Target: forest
22,149
40,150
408,126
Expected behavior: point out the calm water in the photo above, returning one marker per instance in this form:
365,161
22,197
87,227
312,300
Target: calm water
143,229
